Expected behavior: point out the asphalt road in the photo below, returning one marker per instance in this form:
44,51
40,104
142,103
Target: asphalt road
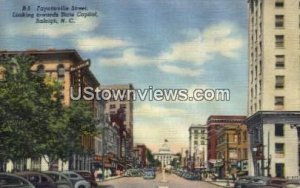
173,181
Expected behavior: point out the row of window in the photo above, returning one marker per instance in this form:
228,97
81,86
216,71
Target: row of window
60,70
113,106
201,143
197,132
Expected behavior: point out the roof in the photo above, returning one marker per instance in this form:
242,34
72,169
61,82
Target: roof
53,54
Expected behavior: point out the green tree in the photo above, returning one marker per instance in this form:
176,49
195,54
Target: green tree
153,162
33,121
25,104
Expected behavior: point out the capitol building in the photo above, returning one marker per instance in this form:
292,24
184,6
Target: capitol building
164,155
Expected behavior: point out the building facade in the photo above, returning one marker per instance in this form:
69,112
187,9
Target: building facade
232,149
125,103
140,156
214,123
198,146
274,89
164,155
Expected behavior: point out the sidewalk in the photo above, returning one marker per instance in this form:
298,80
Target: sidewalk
109,178
221,182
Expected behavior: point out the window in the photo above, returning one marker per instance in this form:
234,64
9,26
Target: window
202,143
196,142
196,131
279,100
279,21
245,136
123,106
279,82
279,3
279,148
279,41
279,61
279,131
112,106
60,70
40,70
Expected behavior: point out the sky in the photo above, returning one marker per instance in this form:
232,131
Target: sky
160,43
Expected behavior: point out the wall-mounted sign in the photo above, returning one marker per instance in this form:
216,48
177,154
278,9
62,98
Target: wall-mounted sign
81,66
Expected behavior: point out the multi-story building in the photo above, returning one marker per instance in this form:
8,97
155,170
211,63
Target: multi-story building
198,145
67,67
164,155
184,157
214,122
124,103
232,149
274,89
140,156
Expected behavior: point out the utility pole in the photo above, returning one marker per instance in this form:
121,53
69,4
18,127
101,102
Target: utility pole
269,160
227,143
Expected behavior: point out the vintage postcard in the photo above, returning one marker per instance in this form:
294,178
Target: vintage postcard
149,93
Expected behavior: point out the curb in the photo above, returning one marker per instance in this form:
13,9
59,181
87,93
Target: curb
215,183
108,179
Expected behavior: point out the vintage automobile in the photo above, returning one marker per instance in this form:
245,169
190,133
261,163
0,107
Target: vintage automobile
88,176
77,180
8,180
59,178
39,180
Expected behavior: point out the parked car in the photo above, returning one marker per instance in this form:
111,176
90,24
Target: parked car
293,183
60,179
260,182
39,180
134,173
13,181
149,174
88,176
77,180
275,183
243,181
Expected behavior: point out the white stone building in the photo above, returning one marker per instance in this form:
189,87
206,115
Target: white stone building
198,145
164,155
274,87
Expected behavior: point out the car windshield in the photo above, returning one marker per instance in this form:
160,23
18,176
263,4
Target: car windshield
148,173
4,181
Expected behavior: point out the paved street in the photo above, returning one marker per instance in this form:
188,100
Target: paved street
138,182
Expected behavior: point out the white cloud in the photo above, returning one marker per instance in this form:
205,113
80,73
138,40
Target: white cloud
29,28
198,48
129,58
100,43
148,110
179,70
216,39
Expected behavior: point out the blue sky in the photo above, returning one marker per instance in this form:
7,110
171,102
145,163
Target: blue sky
163,43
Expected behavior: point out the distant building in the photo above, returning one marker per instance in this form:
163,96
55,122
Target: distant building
274,87
164,155
140,158
184,157
198,145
